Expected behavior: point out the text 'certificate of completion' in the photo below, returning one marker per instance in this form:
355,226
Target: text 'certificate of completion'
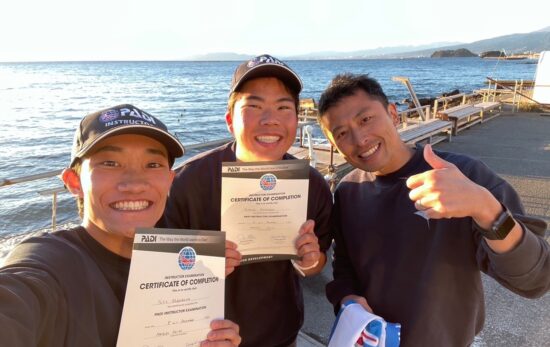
175,288
263,206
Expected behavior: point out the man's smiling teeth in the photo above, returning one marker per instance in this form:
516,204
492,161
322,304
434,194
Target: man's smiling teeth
369,152
131,205
268,139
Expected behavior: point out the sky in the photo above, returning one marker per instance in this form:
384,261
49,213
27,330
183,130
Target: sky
58,30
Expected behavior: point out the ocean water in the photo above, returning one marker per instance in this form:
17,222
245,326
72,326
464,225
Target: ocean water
41,104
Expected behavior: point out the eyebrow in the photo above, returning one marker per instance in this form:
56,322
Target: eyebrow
336,129
259,98
157,151
361,111
358,114
111,148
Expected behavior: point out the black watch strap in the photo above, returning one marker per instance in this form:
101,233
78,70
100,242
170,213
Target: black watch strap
501,227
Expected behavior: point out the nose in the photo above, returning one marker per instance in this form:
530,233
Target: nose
359,137
133,182
269,117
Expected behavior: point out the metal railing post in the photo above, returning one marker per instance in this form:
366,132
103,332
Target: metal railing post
54,210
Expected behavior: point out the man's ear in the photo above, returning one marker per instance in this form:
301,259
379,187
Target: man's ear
229,121
392,111
72,181
172,175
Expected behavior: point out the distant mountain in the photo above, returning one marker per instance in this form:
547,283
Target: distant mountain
362,54
369,53
535,41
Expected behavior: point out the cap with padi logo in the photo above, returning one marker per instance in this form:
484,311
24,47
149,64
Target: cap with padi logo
118,120
265,66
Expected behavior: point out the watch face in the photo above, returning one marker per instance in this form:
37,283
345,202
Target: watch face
504,225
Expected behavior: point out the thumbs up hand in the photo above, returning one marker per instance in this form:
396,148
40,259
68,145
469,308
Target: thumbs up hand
444,191
434,160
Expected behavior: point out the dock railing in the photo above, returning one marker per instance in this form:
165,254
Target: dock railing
514,92
56,190
53,191
407,83
405,116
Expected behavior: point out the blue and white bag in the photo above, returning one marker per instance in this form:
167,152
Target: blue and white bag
357,327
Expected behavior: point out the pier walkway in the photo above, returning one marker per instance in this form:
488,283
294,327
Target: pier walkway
517,147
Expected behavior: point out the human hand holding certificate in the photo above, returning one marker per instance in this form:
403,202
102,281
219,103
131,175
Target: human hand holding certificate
263,206
175,287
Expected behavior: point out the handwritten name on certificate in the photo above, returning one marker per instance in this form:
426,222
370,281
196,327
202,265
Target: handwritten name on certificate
263,206
175,288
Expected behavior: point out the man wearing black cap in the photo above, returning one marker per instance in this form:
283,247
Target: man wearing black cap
265,299
67,288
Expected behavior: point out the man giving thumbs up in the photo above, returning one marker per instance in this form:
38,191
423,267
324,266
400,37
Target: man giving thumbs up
413,228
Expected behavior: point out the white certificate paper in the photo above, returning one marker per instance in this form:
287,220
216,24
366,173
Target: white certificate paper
263,206
175,288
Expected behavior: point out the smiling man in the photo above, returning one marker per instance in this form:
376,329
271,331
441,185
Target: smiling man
265,299
414,227
67,288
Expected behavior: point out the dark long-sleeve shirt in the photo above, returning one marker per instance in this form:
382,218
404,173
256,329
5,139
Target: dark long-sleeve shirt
62,289
265,299
426,275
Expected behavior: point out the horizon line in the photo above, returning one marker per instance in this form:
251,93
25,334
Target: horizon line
206,60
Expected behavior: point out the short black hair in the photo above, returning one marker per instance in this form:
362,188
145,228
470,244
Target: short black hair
347,84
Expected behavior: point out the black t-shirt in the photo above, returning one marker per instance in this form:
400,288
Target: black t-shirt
265,299
62,289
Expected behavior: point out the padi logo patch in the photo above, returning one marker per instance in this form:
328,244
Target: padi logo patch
233,169
126,116
109,116
268,181
264,59
187,258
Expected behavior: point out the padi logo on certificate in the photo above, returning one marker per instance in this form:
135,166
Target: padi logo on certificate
186,258
268,181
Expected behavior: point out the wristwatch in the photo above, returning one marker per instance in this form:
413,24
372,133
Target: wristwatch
500,228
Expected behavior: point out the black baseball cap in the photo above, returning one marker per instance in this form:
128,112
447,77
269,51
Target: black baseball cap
265,66
119,120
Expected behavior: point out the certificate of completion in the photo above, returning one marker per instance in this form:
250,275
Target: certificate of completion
175,288
263,206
